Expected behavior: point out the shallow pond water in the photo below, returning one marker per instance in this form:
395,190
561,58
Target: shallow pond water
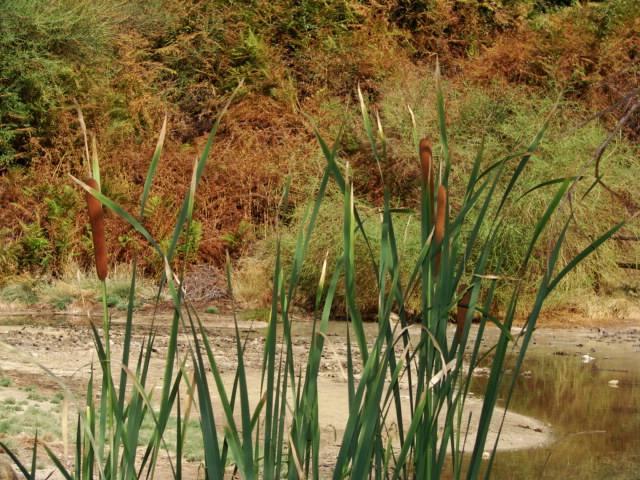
592,404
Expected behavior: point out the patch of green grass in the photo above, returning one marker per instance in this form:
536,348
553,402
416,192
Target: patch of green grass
28,388
5,382
23,291
17,420
258,314
193,449
10,408
9,401
211,310
63,302
123,306
57,398
36,397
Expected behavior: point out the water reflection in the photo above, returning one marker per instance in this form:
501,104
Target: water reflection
597,427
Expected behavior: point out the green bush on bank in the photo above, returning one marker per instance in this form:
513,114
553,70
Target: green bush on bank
47,49
506,120
125,64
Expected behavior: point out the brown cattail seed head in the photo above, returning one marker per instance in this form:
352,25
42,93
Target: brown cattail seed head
461,314
426,161
441,216
97,230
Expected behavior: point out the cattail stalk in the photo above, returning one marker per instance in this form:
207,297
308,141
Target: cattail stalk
461,314
426,161
97,230
441,216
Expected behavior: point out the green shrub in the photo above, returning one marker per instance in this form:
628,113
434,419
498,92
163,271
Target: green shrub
21,290
329,245
57,398
43,47
63,302
36,397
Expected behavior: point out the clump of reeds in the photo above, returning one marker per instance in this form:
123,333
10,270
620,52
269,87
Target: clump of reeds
280,433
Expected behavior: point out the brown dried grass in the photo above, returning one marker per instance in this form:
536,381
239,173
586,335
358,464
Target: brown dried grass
597,72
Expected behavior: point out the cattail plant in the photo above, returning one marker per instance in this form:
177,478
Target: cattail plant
426,162
441,217
97,229
463,309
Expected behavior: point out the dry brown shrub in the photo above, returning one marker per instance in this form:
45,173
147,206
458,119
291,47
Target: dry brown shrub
260,142
252,282
596,72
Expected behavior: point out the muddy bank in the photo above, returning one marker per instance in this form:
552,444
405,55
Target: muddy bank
65,346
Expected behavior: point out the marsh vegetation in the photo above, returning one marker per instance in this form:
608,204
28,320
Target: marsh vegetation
313,191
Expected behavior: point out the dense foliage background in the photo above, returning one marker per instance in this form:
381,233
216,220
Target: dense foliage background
505,64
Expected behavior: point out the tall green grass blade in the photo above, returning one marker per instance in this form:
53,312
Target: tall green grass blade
522,164
268,366
349,268
95,165
244,411
58,464
79,467
473,176
152,168
555,181
16,460
584,254
34,458
442,120
369,131
545,218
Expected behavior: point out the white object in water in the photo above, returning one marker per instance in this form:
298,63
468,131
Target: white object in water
587,358
614,383
517,331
